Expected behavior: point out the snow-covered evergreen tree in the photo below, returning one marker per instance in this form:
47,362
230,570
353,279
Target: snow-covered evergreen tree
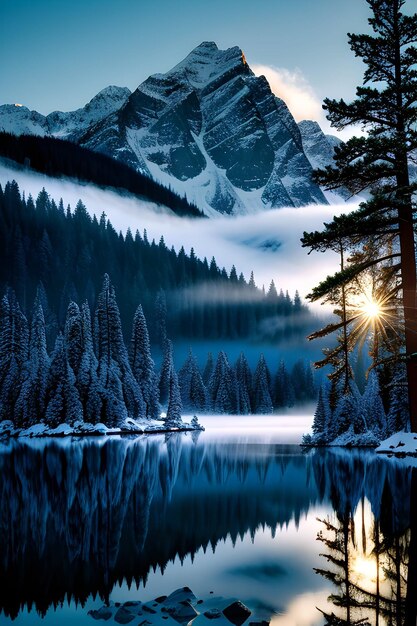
161,319
208,369
143,366
173,416
398,418
14,344
193,392
74,343
51,323
282,388
222,389
164,376
243,386
91,395
30,405
372,406
321,415
113,360
348,414
62,400
303,381
198,391
262,402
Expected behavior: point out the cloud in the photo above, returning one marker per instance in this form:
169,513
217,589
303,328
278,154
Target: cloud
294,89
267,242
301,99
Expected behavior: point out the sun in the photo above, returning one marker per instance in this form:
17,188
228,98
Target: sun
372,309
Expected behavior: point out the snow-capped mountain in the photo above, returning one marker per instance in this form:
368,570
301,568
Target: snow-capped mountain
19,120
318,147
209,128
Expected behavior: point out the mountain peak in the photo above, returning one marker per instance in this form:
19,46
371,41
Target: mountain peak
207,62
112,92
206,45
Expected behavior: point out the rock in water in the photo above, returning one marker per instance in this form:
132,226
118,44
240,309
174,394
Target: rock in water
237,613
123,616
103,613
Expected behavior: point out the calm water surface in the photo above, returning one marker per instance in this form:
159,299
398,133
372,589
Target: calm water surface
240,512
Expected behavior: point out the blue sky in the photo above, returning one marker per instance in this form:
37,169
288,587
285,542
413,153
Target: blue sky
57,54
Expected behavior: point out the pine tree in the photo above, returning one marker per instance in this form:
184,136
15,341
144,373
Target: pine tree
398,418
378,163
164,376
222,390
74,337
348,414
261,388
161,319
372,407
208,370
62,400
321,417
14,345
143,367
173,416
193,392
30,405
283,391
123,395
198,391
91,394
51,324
243,386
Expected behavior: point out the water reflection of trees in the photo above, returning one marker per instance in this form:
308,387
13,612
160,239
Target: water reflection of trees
77,519
371,556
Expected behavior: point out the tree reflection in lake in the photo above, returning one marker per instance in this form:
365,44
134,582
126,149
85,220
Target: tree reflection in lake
82,519
371,554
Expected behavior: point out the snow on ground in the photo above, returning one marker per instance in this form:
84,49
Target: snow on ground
267,243
399,443
85,429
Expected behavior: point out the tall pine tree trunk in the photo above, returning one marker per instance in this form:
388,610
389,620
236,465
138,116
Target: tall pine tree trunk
405,221
409,280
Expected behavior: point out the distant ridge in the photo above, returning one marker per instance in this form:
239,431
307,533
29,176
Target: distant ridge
57,157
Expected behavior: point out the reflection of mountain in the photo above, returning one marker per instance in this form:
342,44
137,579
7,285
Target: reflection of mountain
76,519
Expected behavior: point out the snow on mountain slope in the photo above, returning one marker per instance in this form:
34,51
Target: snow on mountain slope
73,124
19,120
319,149
209,128
213,130
267,243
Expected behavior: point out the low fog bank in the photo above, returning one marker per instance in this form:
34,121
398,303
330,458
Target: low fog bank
267,242
282,428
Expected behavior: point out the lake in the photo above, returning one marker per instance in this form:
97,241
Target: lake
239,511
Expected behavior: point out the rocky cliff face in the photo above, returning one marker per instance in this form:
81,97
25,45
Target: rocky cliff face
211,129
208,128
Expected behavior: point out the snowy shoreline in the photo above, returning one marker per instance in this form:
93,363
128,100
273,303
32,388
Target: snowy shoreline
81,430
399,445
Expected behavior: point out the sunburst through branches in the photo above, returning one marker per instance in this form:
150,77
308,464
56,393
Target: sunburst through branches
375,312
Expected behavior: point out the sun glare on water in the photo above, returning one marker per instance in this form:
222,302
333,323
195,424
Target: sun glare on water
365,568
